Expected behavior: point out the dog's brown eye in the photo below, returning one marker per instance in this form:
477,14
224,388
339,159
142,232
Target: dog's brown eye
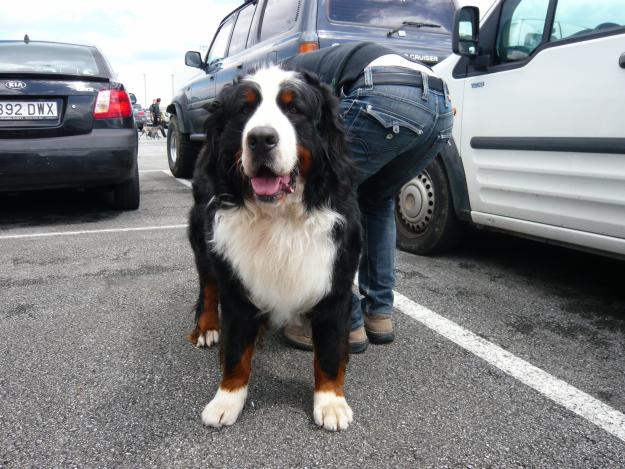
293,110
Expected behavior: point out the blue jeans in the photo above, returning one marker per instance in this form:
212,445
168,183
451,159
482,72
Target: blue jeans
394,132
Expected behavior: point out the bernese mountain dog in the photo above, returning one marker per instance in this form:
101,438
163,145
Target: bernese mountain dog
275,232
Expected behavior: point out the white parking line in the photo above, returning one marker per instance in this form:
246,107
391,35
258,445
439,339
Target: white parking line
110,230
152,170
562,393
184,182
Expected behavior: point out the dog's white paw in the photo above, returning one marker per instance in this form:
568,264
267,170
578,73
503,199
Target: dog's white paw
225,407
208,339
331,411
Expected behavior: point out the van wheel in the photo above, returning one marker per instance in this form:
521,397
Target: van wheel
181,151
126,196
424,213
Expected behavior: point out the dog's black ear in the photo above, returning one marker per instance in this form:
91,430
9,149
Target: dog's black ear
203,184
336,150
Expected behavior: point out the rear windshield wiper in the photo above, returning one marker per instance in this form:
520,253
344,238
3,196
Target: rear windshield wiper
414,25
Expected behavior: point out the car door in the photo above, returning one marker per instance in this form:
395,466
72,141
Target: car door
542,136
234,62
203,89
275,34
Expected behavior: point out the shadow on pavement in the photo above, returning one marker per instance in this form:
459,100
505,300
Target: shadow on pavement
54,207
592,283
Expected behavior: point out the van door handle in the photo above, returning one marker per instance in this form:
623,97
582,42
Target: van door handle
621,60
239,67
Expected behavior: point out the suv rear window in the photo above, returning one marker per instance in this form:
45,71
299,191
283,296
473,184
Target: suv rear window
58,59
391,13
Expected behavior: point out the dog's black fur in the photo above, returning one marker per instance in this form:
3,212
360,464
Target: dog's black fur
219,183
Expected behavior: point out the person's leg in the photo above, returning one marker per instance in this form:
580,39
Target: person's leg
392,129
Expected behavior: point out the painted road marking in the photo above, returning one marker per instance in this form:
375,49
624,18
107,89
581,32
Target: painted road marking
110,230
184,182
562,393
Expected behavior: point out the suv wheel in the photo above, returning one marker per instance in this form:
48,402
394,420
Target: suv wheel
424,213
126,195
181,151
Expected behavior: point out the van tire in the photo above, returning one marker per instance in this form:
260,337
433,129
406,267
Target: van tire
126,196
181,151
430,225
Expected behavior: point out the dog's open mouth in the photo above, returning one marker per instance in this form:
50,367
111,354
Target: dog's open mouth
270,187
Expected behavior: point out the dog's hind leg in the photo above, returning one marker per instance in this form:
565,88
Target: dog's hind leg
206,332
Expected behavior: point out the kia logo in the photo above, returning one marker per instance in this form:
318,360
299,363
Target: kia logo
15,85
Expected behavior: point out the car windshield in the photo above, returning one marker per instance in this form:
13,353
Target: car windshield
391,13
61,59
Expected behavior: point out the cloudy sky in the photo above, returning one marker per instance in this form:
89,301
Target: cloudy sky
137,36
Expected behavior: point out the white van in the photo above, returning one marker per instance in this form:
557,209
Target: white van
538,145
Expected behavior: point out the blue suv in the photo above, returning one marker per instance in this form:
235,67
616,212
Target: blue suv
269,31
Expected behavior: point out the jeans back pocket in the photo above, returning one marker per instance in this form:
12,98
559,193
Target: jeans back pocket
388,120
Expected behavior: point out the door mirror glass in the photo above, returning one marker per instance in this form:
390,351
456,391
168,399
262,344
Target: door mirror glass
193,59
466,31
133,98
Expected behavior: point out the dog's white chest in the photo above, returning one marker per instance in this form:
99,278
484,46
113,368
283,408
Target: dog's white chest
285,259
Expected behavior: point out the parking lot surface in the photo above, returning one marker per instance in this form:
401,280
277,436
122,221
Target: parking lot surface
95,369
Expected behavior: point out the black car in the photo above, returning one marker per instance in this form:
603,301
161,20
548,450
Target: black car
65,122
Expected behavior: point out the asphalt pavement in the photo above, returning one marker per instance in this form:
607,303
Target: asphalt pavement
95,370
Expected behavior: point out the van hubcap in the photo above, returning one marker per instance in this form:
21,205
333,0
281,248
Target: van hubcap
416,202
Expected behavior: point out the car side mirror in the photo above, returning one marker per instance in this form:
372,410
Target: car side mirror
133,98
193,59
466,31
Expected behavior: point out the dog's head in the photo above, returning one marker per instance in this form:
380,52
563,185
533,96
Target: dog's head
274,136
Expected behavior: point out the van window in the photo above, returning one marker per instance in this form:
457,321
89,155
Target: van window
241,29
280,16
577,18
521,28
391,13
220,43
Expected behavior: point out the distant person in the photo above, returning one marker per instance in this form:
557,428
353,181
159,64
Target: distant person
155,110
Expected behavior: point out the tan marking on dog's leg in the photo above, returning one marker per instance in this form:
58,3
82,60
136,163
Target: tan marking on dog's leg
330,409
229,400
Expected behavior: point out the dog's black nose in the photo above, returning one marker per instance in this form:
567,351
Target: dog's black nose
262,139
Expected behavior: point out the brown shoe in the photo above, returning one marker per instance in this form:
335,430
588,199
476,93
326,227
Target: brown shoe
358,341
379,329
300,337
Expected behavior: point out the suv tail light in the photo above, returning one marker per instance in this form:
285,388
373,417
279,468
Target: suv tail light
112,103
305,47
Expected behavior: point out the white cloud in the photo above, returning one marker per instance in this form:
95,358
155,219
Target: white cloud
137,36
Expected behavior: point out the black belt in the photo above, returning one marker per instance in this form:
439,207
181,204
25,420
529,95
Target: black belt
394,77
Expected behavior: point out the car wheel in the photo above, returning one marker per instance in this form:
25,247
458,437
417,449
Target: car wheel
126,195
424,213
181,151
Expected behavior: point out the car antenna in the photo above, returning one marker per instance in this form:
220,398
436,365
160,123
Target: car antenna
26,39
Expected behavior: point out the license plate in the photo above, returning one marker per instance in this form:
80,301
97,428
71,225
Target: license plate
28,110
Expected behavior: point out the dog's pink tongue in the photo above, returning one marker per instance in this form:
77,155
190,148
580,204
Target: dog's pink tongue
266,185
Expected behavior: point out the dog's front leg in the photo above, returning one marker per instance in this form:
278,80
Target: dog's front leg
330,329
240,326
